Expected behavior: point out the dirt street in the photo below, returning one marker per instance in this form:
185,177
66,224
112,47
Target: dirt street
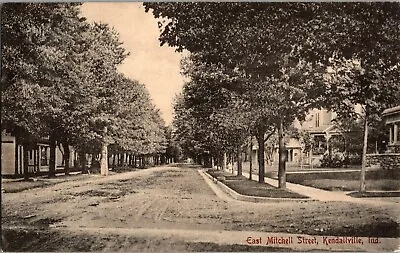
134,211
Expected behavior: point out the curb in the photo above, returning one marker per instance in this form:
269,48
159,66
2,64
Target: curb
255,199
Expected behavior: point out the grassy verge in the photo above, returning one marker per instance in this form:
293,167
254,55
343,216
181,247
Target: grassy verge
48,241
377,180
244,186
374,194
42,181
20,185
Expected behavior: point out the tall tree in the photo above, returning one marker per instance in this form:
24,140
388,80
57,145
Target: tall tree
59,75
219,126
362,68
35,64
250,39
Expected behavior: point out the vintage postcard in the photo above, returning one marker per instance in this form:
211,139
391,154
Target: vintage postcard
200,126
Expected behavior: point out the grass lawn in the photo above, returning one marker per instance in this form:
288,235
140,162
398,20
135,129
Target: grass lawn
20,185
376,180
47,240
10,185
248,187
374,194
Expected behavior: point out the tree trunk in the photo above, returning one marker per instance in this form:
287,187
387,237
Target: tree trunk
282,158
113,162
52,160
346,156
328,147
82,161
104,155
224,162
232,161
261,164
364,154
239,161
311,153
67,154
250,161
92,161
25,158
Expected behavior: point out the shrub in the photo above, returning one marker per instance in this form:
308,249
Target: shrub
332,161
353,159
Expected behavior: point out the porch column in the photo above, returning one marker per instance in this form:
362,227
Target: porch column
391,134
311,152
395,132
37,161
39,157
328,137
34,154
21,159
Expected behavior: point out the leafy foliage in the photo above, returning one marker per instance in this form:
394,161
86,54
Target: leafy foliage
60,79
247,44
281,59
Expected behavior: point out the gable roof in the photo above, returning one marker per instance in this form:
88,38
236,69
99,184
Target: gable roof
324,129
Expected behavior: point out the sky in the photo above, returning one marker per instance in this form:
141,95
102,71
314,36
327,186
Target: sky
154,66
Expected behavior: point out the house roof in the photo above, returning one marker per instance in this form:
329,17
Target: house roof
392,110
313,129
324,129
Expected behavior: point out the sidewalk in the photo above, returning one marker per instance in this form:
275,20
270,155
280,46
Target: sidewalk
318,194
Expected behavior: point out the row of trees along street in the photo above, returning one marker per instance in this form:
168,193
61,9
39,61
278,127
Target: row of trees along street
60,81
255,67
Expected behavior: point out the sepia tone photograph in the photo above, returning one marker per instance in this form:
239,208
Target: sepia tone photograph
200,126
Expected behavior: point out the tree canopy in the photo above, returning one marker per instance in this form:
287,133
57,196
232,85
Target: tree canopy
287,58
60,81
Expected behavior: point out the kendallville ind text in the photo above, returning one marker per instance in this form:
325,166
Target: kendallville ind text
327,240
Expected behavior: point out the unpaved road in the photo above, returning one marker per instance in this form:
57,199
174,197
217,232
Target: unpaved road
106,213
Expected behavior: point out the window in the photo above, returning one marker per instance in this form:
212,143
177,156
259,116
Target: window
391,135
43,156
317,119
